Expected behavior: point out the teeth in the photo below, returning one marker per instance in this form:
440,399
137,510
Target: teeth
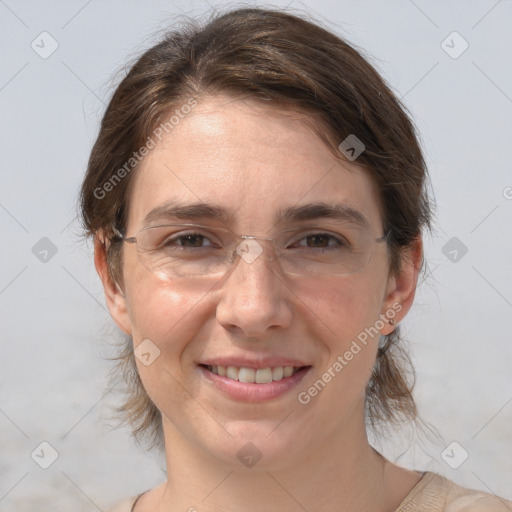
263,375
277,373
246,375
232,373
250,375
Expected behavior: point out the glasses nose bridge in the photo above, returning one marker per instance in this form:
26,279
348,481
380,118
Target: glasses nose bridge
255,237
249,248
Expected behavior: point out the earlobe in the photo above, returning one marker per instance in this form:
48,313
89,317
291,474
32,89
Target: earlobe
402,287
114,295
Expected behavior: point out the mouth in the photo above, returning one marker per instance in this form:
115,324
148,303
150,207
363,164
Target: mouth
257,384
254,375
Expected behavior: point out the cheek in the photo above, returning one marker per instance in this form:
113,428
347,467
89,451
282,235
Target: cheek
164,319
345,319
163,312
342,307
156,308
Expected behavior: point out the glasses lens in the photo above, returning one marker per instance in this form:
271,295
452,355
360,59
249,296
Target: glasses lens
341,251
191,250
184,250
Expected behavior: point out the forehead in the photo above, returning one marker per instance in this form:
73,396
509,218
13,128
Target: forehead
252,161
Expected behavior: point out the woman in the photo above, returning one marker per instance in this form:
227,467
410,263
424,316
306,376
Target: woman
257,199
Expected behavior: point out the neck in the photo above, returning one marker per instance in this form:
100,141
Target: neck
340,472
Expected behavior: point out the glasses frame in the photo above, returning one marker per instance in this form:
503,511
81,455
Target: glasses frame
240,238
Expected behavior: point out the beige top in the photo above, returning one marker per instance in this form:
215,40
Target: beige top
433,493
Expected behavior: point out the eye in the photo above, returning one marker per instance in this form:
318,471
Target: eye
188,240
321,241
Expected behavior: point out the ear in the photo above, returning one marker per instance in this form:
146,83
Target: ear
114,295
402,287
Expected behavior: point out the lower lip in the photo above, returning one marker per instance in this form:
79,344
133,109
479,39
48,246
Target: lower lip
252,392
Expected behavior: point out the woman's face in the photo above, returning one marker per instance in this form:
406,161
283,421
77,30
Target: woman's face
253,163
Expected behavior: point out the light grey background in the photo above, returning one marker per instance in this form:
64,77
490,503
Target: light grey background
54,326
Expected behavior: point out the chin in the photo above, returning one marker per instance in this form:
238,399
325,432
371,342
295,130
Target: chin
258,446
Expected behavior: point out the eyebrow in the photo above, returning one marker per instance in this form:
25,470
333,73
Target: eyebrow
171,210
337,211
197,211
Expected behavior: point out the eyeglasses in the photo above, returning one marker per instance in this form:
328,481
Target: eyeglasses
191,250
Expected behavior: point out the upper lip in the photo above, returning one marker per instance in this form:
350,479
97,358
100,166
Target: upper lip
261,362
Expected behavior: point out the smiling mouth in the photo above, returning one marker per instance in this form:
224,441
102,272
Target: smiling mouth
254,376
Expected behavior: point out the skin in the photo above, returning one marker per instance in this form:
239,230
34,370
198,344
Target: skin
252,160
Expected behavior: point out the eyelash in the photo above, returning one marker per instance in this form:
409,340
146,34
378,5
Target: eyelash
339,241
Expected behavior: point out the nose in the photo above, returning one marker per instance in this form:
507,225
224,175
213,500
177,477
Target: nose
255,295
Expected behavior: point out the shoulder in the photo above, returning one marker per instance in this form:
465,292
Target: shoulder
125,505
462,499
435,493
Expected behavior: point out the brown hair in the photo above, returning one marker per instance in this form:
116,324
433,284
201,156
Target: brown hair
292,63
